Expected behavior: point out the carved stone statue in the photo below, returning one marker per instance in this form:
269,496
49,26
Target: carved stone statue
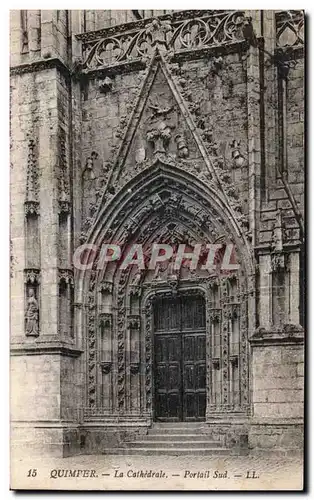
31,316
157,32
137,278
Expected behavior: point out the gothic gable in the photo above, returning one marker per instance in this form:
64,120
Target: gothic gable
161,127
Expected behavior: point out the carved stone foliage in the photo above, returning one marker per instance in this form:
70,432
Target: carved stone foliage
66,276
148,353
105,287
63,174
105,367
121,325
32,181
290,28
31,208
91,342
183,32
32,276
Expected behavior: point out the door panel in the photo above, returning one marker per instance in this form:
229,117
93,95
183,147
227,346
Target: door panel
180,361
168,384
194,376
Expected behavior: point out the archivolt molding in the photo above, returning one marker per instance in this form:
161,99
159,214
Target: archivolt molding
141,194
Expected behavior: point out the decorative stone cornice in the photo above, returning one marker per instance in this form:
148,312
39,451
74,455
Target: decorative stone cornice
288,334
39,348
41,65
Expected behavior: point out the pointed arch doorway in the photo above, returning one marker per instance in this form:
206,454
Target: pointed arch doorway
180,359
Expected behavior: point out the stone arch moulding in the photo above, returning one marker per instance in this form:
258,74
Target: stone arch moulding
162,204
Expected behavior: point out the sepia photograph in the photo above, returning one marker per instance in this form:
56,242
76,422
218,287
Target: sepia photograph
157,250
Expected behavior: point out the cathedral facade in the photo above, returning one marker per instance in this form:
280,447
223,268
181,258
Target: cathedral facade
169,127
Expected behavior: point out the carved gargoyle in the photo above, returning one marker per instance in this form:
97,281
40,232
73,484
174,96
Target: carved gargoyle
217,64
105,85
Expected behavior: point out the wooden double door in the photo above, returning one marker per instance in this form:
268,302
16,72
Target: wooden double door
180,361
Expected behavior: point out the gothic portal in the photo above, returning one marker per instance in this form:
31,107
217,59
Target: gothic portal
168,127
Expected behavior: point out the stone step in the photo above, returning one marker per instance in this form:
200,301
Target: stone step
173,444
178,430
187,425
168,451
177,437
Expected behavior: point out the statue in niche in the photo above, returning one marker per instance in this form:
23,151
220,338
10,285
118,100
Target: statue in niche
32,327
173,274
89,166
138,277
237,157
182,148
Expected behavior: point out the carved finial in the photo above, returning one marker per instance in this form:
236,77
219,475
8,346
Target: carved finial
248,32
157,32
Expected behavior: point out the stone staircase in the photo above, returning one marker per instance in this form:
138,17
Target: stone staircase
174,439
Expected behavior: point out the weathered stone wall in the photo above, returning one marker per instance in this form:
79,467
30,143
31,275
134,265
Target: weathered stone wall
277,395
295,131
